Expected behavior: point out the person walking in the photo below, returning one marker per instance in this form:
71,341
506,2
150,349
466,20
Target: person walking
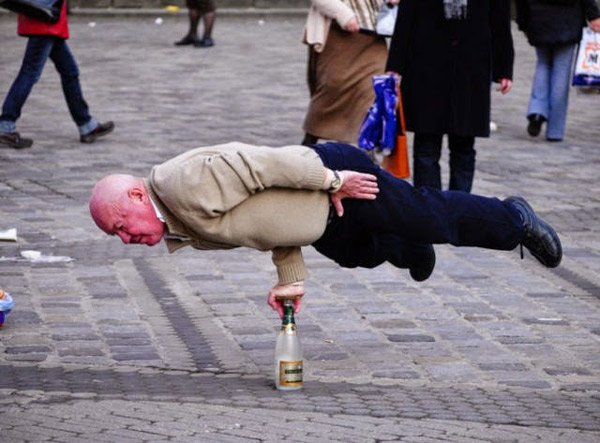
344,52
45,41
197,9
553,28
447,52
331,196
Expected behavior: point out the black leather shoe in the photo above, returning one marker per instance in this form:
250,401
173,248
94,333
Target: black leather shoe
15,141
426,262
535,124
539,237
101,130
187,40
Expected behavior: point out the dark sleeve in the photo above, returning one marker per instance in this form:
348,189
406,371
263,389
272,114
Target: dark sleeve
590,9
400,44
503,53
522,10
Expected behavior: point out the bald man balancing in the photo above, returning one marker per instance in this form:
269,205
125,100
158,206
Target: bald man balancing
280,199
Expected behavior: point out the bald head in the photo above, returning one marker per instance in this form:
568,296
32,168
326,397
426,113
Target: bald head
108,193
120,205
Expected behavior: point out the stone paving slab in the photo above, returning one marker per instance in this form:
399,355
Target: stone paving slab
491,348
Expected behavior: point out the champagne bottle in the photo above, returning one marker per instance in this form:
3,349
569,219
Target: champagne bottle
288,352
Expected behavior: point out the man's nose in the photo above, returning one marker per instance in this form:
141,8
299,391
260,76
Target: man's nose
125,238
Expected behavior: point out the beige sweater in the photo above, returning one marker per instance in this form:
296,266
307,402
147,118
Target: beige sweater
319,20
232,195
322,12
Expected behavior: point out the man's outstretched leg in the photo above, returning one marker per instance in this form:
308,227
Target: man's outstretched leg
430,216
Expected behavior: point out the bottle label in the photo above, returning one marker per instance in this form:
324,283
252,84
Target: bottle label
290,328
290,373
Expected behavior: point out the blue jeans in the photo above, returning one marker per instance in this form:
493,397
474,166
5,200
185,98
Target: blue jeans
427,150
395,226
550,90
39,48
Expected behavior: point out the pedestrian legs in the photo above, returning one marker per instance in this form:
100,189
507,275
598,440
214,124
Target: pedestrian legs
36,53
560,81
427,150
69,75
462,162
539,100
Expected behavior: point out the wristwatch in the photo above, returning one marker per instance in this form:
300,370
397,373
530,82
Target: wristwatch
336,183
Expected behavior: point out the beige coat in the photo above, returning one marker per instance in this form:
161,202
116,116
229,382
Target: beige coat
233,195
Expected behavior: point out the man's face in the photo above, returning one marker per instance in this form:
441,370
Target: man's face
134,220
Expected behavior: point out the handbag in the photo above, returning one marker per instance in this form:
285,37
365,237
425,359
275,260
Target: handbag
386,20
397,162
45,10
587,64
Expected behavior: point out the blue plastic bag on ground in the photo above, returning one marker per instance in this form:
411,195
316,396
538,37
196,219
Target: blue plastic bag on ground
378,130
6,305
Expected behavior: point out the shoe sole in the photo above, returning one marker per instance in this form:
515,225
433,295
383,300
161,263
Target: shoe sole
14,146
97,136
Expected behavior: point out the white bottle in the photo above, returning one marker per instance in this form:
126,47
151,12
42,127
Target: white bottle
288,352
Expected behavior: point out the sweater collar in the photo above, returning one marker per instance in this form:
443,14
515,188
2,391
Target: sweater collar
174,227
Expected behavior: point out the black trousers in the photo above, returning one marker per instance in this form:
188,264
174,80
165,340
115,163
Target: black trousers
427,150
402,220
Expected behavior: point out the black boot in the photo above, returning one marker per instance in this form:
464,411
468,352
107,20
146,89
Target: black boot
539,237
535,124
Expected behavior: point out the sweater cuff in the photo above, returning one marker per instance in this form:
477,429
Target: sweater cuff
315,176
291,274
290,265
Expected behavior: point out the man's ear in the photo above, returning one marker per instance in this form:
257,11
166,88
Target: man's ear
137,194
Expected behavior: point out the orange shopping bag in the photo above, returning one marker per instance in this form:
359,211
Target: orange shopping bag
397,162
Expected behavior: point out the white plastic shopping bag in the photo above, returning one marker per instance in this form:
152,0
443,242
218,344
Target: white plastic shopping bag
587,64
386,20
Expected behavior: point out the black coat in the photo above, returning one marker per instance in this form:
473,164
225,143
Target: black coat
447,65
554,22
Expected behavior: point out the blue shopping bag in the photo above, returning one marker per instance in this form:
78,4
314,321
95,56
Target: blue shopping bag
378,130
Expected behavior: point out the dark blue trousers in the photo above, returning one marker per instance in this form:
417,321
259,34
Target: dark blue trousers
397,225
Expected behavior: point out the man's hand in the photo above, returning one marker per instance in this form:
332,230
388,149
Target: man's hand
352,26
505,85
355,185
292,290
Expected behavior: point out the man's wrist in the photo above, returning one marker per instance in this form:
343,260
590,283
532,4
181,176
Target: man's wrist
333,181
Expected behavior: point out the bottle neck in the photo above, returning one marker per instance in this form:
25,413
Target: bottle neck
288,323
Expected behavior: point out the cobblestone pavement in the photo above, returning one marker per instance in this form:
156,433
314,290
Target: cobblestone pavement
130,344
